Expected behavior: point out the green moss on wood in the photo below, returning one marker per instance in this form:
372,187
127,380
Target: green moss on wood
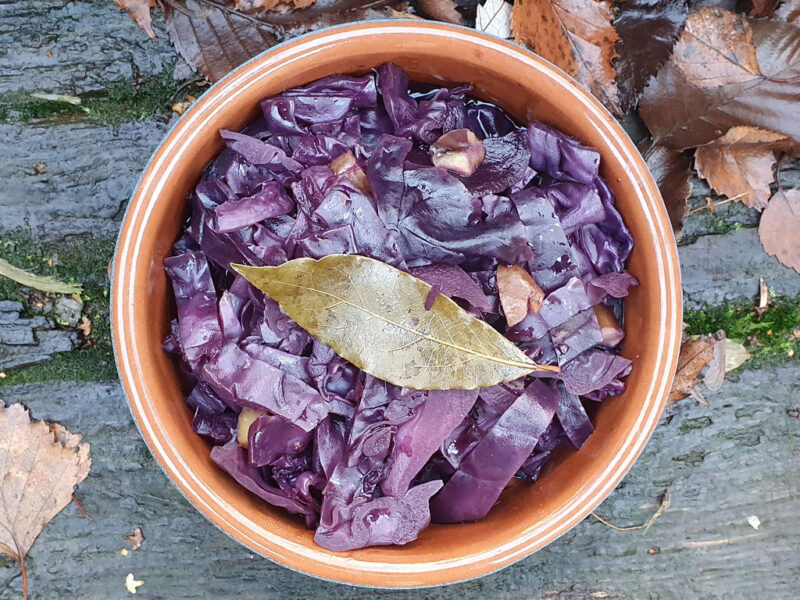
83,259
78,365
772,338
694,424
125,100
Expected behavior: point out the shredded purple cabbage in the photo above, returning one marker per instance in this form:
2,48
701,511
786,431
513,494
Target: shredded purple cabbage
365,462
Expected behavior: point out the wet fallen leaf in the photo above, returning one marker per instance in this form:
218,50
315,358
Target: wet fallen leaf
38,282
132,584
140,12
779,227
374,316
42,466
135,539
494,17
519,293
725,71
695,354
575,35
716,49
215,38
647,32
672,170
441,10
739,164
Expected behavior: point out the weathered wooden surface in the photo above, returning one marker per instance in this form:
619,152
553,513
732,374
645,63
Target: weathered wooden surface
78,193
70,47
723,463
28,341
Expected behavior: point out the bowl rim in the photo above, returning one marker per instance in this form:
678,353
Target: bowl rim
345,569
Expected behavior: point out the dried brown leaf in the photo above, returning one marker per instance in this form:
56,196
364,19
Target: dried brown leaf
789,11
494,18
713,83
762,8
780,226
259,6
695,354
396,14
575,35
519,293
140,12
672,170
374,316
739,164
715,375
85,326
441,10
136,539
42,466
735,355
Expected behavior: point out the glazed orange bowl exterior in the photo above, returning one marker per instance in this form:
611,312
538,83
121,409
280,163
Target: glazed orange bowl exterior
526,517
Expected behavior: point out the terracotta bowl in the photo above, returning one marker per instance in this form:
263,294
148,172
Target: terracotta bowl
527,516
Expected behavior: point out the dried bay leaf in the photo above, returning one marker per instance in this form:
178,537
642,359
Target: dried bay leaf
374,316
42,464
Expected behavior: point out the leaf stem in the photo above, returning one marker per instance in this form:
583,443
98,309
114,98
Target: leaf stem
24,578
646,525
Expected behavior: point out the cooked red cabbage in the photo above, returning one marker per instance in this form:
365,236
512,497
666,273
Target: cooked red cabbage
343,165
